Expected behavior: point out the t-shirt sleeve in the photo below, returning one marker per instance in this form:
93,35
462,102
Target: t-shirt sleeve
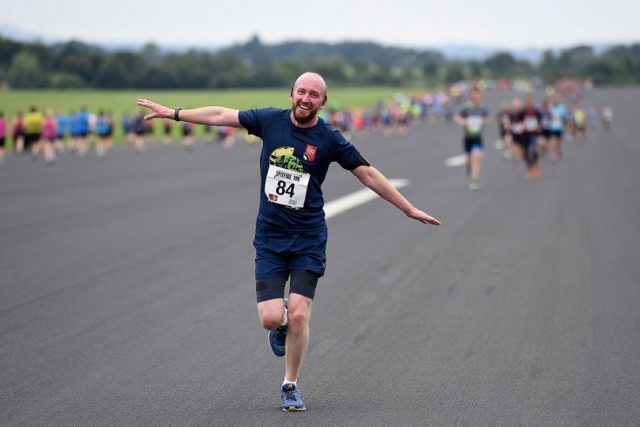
250,120
254,121
345,153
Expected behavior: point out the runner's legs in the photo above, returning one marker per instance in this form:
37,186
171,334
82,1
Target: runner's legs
298,335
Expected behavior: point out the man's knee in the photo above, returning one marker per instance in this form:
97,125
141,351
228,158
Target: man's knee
271,313
298,322
270,322
299,313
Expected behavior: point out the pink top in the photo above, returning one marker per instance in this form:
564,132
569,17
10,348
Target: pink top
18,126
49,129
3,127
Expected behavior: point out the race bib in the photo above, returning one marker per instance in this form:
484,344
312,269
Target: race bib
474,124
286,187
517,128
531,124
556,121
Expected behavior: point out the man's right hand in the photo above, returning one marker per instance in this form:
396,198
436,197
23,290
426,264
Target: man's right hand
159,111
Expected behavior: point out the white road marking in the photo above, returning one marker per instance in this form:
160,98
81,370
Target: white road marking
357,198
454,161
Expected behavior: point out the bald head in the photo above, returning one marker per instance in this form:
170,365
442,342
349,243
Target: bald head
308,96
314,80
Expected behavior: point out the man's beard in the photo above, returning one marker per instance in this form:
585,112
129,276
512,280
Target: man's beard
304,120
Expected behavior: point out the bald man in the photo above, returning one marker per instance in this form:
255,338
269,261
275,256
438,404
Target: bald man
291,232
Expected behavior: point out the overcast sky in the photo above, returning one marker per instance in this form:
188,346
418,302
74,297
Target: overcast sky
414,23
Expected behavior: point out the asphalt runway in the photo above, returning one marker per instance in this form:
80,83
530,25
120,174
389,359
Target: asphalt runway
127,293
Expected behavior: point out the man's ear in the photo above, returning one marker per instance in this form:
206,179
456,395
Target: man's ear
324,100
291,93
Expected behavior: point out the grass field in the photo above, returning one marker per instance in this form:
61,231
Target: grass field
120,102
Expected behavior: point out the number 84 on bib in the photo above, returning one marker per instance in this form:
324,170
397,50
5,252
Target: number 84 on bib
286,187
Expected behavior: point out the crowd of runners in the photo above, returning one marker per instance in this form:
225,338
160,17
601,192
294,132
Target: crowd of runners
52,133
49,133
527,131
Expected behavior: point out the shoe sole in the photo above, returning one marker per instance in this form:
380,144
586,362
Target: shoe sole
294,409
276,354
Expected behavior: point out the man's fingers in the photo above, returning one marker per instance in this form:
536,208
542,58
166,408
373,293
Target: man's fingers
424,217
430,220
148,104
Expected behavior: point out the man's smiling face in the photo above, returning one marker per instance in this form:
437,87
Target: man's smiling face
308,96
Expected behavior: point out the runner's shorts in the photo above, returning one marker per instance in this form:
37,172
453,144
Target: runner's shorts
472,143
279,253
556,133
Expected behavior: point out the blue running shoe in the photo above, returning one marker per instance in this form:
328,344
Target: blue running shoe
291,400
278,337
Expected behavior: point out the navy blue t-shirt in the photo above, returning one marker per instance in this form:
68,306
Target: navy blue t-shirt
474,116
302,151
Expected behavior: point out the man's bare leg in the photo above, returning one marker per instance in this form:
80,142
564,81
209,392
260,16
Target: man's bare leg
476,161
298,335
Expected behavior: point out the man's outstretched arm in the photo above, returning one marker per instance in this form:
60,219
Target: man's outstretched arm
372,178
214,116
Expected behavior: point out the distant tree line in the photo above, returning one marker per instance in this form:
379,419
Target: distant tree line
74,64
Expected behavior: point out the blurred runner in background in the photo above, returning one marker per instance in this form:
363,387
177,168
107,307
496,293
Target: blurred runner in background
473,117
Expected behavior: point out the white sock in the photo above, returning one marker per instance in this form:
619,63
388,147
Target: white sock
286,381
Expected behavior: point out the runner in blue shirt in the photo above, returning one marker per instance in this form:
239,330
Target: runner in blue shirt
291,232
62,127
104,130
556,127
127,128
81,126
544,136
